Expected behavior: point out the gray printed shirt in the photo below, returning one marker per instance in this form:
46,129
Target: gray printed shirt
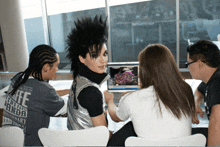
30,108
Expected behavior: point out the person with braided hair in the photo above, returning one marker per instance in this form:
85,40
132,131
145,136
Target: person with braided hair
88,55
30,100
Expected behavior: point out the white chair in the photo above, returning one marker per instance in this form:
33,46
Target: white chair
11,136
96,136
193,140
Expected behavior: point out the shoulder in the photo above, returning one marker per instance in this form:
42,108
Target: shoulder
41,86
146,92
214,84
16,76
90,92
91,99
202,84
132,97
201,88
82,83
215,80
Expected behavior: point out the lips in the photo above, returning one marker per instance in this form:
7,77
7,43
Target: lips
102,67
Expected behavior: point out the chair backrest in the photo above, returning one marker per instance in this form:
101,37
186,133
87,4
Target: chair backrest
96,136
192,140
11,136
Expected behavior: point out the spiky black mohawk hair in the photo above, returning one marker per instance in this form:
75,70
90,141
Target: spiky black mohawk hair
88,36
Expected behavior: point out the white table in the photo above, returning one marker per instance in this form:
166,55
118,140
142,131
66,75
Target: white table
114,126
60,123
3,96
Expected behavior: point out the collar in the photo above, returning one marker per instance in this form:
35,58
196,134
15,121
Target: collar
31,77
92,76
216,74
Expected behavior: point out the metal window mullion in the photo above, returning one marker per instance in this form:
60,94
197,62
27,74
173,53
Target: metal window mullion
46,23
177,35
109,35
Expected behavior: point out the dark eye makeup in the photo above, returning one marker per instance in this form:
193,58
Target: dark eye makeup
94,55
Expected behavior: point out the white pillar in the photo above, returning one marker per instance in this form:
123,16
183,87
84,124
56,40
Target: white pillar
13,35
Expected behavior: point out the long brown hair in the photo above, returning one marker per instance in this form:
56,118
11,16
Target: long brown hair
158,69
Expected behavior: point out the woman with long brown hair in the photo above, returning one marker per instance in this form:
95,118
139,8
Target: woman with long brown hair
163,107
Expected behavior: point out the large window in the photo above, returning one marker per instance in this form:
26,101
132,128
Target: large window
61,17
199,19
136,25
133,24
32,14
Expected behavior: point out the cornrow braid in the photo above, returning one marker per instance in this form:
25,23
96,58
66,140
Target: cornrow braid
40,55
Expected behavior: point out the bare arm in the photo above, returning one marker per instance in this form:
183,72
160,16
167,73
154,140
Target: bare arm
198,99
109,97
214,127
63,92
100,121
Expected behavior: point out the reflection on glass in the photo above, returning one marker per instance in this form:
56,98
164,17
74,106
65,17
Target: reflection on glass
134,26
62,14
32,14
199,19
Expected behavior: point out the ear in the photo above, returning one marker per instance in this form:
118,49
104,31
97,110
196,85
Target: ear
81,59
201,64
46,67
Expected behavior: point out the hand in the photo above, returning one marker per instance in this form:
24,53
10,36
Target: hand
108,96
195,119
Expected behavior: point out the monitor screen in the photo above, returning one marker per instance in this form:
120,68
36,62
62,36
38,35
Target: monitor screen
124,76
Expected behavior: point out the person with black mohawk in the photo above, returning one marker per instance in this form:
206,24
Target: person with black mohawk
88,56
